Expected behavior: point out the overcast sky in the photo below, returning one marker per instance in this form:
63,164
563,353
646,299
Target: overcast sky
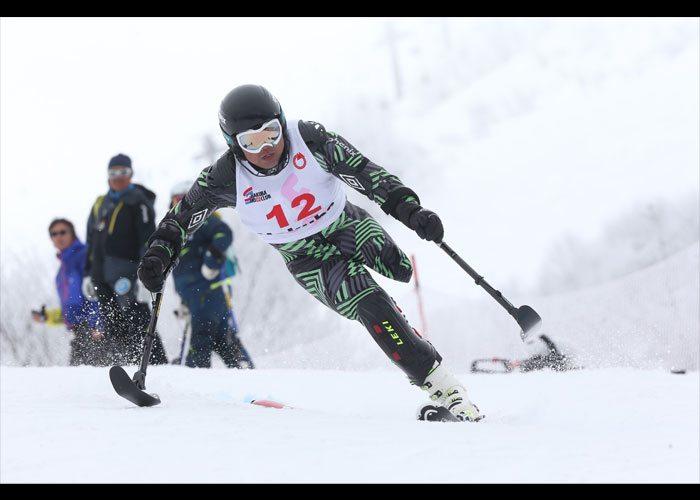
77,91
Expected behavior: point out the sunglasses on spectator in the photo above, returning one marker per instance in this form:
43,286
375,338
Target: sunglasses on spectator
61,232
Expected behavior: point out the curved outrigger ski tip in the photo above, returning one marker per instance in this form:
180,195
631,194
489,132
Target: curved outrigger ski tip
129,389
528,320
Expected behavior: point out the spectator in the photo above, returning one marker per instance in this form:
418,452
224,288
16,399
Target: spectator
200,280
119,225
78,314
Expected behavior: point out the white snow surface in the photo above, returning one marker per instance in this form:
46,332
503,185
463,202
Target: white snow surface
615,425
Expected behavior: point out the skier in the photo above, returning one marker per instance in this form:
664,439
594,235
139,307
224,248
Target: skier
79,315
117,230
200,280
285,179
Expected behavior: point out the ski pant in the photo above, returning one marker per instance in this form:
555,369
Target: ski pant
332,266
125,322
213,331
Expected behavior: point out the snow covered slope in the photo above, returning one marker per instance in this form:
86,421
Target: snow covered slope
66,425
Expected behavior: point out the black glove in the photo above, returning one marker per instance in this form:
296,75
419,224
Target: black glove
153,267
425,223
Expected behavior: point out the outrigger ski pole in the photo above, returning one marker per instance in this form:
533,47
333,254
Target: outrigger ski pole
134,388
525,316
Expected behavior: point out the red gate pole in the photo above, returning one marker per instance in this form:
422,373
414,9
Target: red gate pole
424,325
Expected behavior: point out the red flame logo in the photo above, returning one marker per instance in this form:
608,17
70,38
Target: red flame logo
299,161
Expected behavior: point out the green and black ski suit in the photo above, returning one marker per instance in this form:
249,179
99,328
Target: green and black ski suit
329,262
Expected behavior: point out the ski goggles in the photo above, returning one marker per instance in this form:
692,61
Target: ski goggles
269,134
119,172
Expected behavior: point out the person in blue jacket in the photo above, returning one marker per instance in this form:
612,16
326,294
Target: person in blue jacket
201,278
78,314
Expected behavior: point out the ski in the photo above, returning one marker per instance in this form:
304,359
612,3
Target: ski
127,388
549,357
268,403
434,413
492,365
428,412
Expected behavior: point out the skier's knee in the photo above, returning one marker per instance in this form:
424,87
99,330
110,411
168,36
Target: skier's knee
400,342
397,263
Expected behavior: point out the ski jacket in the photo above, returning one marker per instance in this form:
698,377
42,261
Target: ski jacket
207,246
118,228
216,185
74,306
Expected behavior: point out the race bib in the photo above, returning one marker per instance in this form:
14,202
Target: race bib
297,202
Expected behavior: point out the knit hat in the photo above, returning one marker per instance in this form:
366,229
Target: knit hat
121,160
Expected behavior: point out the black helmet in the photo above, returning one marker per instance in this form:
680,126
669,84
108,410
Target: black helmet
248,107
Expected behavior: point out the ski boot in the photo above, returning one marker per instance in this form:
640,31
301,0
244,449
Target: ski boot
450,400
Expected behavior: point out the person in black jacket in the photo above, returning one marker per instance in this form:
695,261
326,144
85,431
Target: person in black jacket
118,227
